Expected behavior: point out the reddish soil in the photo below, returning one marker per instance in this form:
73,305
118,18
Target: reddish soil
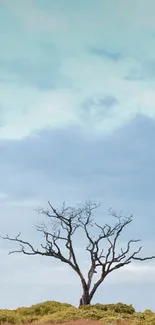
88,322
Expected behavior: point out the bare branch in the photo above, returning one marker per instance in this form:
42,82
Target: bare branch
102,249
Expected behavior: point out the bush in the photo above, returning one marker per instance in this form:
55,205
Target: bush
60,316
117,308
44,308
54,312
8,316
148,312
92,313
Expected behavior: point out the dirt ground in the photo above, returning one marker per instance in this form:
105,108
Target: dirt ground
87,322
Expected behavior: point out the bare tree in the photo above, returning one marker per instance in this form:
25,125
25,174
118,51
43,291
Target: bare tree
104,258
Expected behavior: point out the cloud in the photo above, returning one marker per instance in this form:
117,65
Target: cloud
145,71
118,175
57,108
34,110
101,52
76,122
54,77
30,13
96,109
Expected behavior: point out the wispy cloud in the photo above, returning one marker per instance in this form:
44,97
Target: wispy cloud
103,53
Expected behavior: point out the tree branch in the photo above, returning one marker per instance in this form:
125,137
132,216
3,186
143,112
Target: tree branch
59,242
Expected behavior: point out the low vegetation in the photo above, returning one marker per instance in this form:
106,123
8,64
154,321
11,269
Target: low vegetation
56,312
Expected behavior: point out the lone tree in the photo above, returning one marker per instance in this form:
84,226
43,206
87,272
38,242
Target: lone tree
59,243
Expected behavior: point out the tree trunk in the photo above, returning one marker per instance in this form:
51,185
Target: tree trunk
85,299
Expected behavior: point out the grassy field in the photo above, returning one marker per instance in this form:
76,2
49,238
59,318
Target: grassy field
56,312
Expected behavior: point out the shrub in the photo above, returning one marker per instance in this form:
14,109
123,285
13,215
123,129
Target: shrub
117,308
8,316
56,312
92,313
148,312
44,308
71,313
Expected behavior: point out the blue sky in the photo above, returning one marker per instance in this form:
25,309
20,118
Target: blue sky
77,121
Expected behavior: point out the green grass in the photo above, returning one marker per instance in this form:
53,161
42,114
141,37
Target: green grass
56,312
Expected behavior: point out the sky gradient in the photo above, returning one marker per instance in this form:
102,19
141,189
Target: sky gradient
77,122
